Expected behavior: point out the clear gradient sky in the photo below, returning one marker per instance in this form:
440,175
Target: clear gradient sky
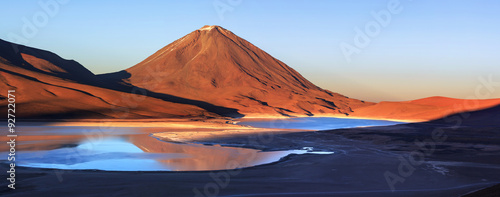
429,48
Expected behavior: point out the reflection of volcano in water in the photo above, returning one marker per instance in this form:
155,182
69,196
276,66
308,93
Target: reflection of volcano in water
201,157
145,153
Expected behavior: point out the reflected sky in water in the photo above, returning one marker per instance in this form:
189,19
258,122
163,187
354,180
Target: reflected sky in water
145,153
125,149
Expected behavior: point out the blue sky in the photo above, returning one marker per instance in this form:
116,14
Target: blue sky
429,48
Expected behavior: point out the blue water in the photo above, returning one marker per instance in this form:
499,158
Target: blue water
145,153
138,152
114,154
315,123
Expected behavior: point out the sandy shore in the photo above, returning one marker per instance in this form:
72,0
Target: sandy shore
31,137
207,135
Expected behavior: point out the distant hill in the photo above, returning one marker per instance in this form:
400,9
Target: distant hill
423,109
44,62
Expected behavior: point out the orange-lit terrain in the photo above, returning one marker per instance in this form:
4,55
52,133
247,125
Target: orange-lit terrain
181,107
423,109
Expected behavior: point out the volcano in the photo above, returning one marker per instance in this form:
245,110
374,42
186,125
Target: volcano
214,65
210,72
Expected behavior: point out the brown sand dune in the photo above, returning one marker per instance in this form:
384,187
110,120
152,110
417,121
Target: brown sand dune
423,109
214,65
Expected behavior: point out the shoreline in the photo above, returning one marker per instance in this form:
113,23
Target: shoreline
356,169
221,123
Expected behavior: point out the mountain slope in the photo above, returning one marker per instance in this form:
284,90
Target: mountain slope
214,65
44,62
48,86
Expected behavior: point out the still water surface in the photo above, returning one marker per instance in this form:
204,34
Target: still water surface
145,153
315,123
130,150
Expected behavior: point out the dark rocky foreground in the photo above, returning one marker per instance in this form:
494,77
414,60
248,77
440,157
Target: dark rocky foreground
450,161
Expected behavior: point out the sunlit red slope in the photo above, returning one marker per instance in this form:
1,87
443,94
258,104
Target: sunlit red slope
48,86
214,65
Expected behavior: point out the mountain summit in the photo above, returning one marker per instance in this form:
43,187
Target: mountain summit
214,65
